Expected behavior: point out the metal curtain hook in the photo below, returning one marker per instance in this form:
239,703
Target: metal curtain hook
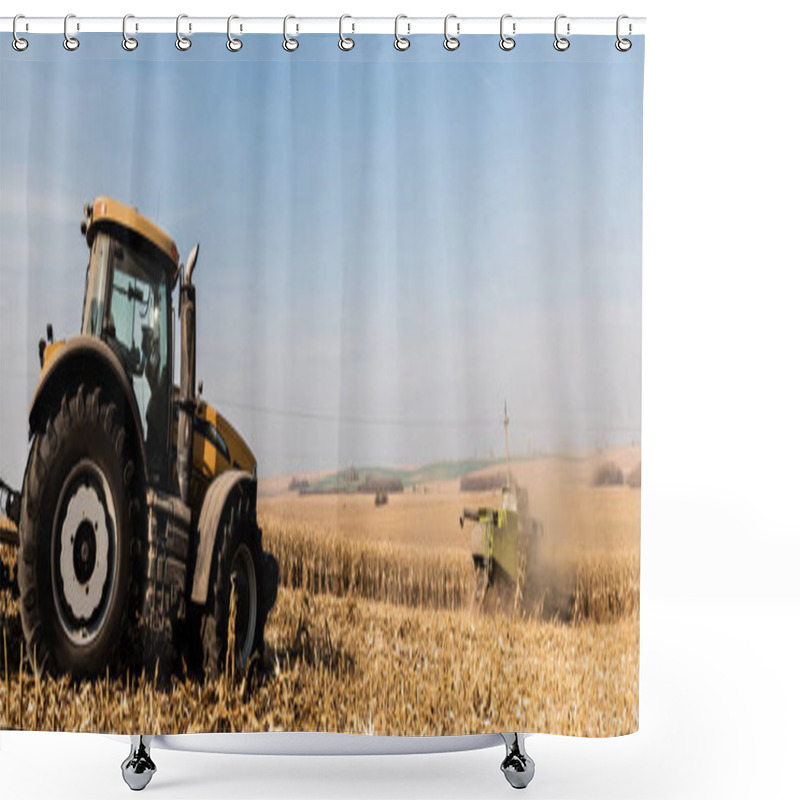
129,43
233,44
623,45
181,42
290,44
507,42
401,42
345,43
451,42
70,42
561,43
18,43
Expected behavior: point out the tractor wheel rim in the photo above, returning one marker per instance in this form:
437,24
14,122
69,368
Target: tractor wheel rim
243,582
84,553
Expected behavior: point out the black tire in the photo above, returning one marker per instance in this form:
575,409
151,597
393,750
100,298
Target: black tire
237,549
481,581
78,493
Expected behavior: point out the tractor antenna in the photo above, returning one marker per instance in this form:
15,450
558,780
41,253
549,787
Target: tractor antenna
505,425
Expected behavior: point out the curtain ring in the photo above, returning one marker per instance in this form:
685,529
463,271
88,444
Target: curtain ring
129,43
507,42
451,42
345,42
561,43
290,44
233,44
623,45
70,42
18,43
400,42
181,42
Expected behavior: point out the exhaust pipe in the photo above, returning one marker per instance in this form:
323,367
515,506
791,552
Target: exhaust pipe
187,400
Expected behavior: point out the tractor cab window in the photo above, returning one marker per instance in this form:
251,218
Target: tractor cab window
128,296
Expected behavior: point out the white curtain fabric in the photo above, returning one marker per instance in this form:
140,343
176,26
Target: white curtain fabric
397,249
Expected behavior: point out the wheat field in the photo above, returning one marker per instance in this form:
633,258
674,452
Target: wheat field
376,632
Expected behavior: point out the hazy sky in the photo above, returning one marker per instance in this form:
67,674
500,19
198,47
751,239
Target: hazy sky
391,243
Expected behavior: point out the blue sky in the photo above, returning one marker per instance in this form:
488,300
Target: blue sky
391,243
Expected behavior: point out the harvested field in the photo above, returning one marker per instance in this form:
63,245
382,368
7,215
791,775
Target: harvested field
446,673
383,597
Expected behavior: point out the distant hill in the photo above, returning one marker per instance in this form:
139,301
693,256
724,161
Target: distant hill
390,479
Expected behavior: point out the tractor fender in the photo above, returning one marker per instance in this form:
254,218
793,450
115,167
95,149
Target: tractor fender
208,526
85,359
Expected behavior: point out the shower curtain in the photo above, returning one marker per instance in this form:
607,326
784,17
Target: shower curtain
369,460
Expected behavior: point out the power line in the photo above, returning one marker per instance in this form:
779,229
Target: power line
350,419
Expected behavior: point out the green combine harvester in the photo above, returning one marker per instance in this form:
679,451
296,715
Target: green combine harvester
504,541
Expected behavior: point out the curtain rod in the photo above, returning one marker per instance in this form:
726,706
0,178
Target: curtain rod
299,25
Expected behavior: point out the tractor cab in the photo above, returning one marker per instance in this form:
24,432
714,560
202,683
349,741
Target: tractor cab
133,267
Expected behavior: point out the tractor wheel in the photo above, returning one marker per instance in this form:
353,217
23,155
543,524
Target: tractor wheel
77,536
239,568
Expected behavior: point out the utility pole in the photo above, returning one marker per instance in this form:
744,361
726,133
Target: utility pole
505,425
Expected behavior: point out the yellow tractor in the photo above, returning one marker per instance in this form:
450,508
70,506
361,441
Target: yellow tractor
137,515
